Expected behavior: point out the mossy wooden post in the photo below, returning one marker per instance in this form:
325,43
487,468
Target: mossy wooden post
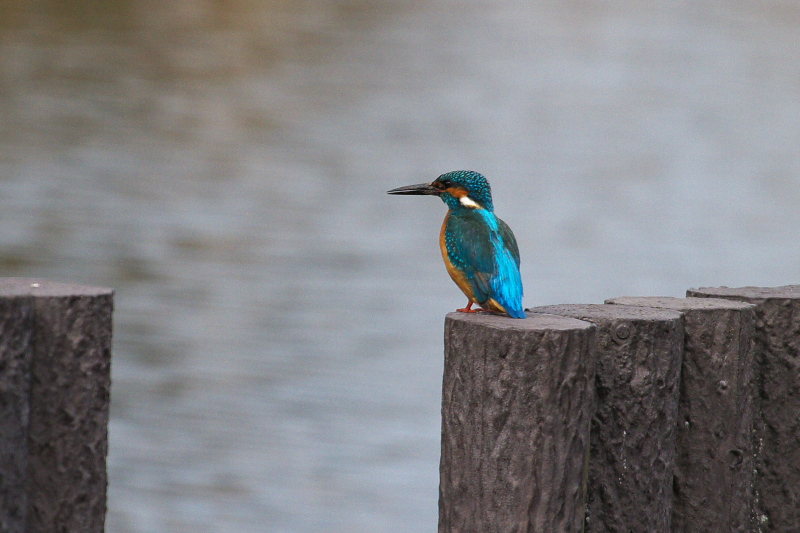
516,408
778,380
714,470
632,459
55,362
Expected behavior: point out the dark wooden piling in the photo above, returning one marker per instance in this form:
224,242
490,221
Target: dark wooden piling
639,354
55,372
516,408
713,486
16,319
778,380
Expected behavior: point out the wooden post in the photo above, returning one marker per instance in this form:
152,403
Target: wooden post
517,402
778,380
16,319
55,368
714,444
632,459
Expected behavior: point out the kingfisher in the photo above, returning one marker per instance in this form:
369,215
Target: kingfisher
479,250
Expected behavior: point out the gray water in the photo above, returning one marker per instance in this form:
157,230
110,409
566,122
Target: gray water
223,165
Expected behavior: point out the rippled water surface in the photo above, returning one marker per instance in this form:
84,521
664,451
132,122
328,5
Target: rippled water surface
223,165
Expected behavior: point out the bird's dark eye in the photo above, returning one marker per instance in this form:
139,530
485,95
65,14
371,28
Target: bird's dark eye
447,183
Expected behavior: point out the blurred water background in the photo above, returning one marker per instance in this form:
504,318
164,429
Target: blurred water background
223,165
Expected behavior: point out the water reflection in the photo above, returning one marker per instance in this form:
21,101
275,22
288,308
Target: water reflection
278,318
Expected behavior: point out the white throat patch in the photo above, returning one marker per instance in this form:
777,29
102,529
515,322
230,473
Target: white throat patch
466,201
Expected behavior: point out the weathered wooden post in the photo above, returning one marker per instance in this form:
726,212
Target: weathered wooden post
55,360
516,408
632,459
16,319
713,485
778,380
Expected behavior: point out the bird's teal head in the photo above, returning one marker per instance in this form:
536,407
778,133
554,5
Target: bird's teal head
461,189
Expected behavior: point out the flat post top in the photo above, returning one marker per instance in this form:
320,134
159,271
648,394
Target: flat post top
46,288
680,304
534,322
606,313
789,292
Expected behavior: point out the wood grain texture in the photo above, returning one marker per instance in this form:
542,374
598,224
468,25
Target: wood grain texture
68,342
714,471
516,408
777,458
639,354
16,320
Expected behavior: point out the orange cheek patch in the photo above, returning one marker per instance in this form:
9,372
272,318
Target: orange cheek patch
458,192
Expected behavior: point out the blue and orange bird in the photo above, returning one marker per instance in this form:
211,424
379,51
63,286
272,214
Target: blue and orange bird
479,250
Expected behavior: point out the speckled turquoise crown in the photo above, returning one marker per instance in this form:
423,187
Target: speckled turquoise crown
476,185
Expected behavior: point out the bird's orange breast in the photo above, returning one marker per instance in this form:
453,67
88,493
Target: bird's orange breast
455,274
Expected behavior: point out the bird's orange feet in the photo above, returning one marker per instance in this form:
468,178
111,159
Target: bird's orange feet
467,309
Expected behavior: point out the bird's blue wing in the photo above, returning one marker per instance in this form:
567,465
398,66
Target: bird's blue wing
509,240
507,283
485,250
469,249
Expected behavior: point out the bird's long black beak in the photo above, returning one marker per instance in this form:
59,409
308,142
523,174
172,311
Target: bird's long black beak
420,188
